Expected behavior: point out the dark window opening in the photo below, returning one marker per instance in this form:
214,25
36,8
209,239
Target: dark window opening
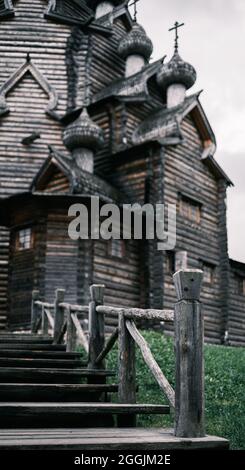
170,262
23,239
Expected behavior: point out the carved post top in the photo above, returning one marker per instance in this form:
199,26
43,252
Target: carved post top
97,293
188,284
59,295
35,295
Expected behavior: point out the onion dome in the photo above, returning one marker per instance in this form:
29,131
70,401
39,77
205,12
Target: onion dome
95,3
136,42
177,72
83,133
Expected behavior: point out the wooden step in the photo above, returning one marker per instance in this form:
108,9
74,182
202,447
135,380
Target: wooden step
45,363
11,353
33,347
47,414
54,392
26,340
29,375
139,439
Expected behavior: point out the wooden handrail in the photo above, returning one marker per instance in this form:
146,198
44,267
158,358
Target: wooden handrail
137,313
44,304
75,308
151,362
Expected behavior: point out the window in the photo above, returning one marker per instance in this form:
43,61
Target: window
208,273
240,285
190,209
117,248
170,262
23,239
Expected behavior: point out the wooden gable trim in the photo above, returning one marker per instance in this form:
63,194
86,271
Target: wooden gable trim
46,173
16,77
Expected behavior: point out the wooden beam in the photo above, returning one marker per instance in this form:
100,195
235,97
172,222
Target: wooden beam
71,333
189,339
151,362
96,326
126,371
80,333
59,313
35,312
109,345
137,313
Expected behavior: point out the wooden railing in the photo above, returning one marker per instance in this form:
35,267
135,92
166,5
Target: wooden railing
188,398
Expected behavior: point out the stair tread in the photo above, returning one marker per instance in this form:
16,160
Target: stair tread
83,408
33,362
82,371
38,354
58,386
34,347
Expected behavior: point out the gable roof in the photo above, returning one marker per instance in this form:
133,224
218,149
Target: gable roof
81,182
164,127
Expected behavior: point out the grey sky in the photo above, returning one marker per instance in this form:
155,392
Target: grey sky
213,41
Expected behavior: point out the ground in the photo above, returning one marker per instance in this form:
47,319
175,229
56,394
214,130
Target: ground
224,386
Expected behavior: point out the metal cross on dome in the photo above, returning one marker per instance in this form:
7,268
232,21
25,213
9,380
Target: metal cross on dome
177,25
134,3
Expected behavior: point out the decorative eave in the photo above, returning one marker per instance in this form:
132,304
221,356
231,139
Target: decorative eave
133,88
164,126
81,182
29,67
120,11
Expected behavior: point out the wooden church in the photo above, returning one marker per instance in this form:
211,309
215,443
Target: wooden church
84,111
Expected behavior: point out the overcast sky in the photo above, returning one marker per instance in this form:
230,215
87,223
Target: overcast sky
213,41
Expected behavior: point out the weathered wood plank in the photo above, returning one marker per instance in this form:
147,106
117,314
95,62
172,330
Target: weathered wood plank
189,339
161,315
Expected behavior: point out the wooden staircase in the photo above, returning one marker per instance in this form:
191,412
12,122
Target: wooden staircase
41,388
50,398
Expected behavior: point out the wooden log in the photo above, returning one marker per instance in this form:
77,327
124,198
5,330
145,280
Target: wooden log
45,324
126,371
109,345
189,339
137,313
96,326
79,332
59,314
75,308
71,333
151,362
35,311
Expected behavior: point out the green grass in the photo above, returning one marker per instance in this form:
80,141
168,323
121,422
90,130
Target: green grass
224,389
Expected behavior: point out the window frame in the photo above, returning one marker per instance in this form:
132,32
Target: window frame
17,240
212,267
186,206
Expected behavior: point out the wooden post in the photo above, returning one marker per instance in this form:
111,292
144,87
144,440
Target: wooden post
96,327
127,372
45,324
189,339
71,333
59,314
34,310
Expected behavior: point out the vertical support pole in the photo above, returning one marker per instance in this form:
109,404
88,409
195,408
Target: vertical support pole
45,324
127,372
96,326
189,340
34,310
71,333
59,313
